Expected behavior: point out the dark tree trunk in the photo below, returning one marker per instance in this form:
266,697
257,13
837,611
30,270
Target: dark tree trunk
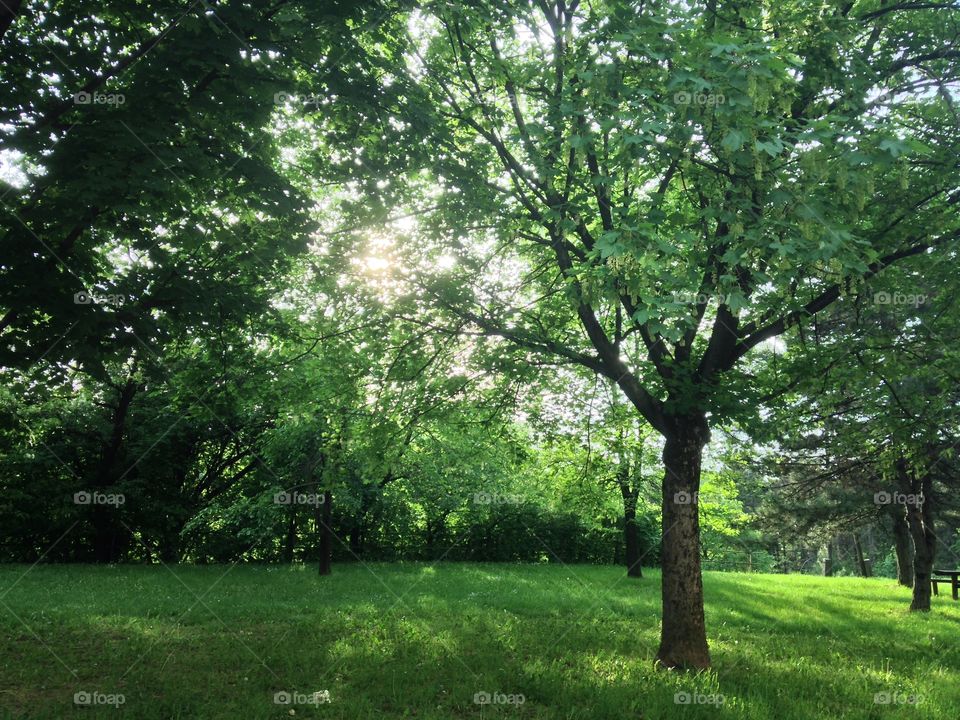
324,518
921,522
170,540
631,534
683,638
830,563
861,560
903,546
429,539
356,538
436,534
109,536
170,548
631,538
918,496
290,542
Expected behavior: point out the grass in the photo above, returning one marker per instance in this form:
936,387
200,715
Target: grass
415,641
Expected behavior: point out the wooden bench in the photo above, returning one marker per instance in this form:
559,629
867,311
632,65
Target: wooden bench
948,577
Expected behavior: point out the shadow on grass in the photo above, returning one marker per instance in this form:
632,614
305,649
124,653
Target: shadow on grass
411,640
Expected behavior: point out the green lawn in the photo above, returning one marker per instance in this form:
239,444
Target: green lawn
405,641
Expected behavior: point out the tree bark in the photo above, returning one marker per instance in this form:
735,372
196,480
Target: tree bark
324,514
110,538
631,535
290,542
356,537
683,638
921,522
903,546
830,563
861,560
170,540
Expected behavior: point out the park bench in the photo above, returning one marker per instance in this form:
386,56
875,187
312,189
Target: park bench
948,577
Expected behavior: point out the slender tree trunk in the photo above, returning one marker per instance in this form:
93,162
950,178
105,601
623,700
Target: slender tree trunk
170,540
356,537
683,638
920,519
170,549
109,537
360,520
105,541
918,494
861,560
436,536
429,539
631,538
324,515
903,546
631,534
290,543
870,546
830,562
629,465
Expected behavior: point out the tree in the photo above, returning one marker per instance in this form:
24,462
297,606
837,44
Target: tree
876,422
705,177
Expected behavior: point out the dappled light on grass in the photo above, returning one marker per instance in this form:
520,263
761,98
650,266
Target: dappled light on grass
576,641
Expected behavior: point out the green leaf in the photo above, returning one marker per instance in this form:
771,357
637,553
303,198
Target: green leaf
733,140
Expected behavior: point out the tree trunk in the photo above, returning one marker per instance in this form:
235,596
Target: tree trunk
170,540
356,538
683,637
429,539
110,538
861,560
903,546
436,537
631,538
170,549
324,515
830,563
290,542
920,520
631,534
